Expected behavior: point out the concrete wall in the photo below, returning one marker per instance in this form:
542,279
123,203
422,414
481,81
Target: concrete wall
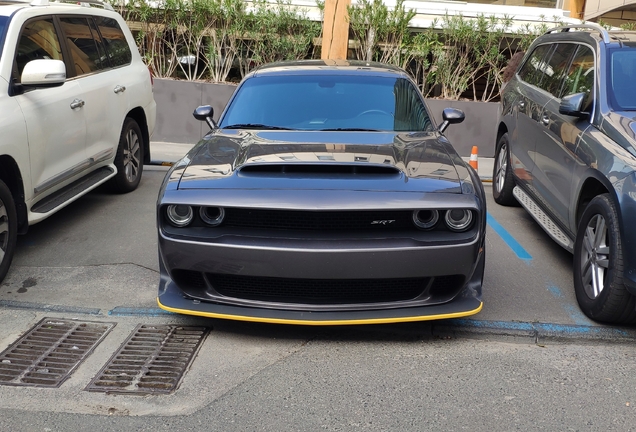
176,100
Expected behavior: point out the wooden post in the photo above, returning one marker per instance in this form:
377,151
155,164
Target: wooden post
335,32
576,8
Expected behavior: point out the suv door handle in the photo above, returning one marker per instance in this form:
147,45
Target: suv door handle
77,103
119,89
545,120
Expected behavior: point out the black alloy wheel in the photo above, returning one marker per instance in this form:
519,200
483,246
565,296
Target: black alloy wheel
130,157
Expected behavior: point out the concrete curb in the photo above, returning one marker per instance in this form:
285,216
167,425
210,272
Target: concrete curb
455,328
536,332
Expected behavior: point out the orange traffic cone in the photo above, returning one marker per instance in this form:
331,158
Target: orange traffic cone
473,158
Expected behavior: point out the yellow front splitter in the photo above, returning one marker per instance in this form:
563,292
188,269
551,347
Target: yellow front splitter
458,308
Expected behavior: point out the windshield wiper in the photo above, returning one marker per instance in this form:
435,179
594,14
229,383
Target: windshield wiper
349,130
254,126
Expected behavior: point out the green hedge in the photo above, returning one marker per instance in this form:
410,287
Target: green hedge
221,40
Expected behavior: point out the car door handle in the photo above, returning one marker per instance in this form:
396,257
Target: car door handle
545,120
119,89
77,103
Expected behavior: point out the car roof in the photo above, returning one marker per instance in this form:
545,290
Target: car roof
327,67
8,7
589,32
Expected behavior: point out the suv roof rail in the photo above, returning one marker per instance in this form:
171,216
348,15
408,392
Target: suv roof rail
84,3
593,26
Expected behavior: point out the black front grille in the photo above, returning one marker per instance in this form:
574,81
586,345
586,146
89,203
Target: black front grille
319,220
317,291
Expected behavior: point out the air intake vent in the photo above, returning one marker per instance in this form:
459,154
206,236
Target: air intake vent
325,169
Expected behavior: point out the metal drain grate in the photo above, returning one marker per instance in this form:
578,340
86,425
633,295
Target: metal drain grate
48,354
152,360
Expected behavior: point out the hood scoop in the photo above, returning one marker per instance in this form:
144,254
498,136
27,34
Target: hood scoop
319,170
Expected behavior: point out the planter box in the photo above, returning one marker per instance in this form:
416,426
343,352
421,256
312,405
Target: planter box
176,100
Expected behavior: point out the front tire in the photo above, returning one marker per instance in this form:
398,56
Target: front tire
8,229
502,181
130,157
598,265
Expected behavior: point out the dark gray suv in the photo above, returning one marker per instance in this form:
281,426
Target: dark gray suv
566,150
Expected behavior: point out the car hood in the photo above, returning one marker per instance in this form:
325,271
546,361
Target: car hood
422,161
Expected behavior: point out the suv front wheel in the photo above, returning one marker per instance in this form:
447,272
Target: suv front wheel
130,157
598,265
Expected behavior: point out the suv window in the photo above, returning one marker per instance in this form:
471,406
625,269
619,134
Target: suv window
3,25
580,76
117,47
38,40
532,70
81,44
557,67
622,67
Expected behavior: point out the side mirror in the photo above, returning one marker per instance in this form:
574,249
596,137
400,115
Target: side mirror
571,105
43,73
451,116
205,113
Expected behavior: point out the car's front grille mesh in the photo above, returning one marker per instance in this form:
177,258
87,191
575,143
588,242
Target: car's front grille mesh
317,291
377,220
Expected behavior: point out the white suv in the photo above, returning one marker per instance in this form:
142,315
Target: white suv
76,107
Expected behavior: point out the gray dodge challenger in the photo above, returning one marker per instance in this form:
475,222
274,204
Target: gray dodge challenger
325,195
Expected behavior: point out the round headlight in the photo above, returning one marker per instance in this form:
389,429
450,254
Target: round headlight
212,215
425,219
459,219
179,215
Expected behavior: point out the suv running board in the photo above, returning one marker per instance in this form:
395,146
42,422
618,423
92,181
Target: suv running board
543,219
78,187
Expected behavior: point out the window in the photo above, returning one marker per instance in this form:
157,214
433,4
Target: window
329,102
117,48
4,21
580,76
623,78
532,70
557,68
38,41
83,47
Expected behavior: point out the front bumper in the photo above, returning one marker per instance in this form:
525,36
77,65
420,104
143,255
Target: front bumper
465,261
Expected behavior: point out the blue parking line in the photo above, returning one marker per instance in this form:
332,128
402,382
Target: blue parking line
575,314
508,239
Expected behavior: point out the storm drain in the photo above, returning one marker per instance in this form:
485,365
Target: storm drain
152,360
48,354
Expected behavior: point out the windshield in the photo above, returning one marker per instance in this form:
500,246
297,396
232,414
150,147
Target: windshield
327,102
4,22
623,79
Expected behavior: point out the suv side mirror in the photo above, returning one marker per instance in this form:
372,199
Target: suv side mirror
571,105
205,113
43,73
451,116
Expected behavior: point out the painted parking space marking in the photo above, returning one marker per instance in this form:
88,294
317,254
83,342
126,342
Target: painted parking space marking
574,313
513,244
